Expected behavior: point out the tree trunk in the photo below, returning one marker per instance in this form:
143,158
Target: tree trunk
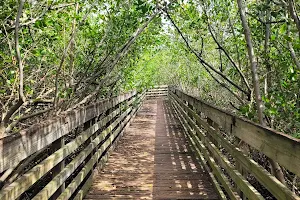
72,51
293,13
276,170
22,98
266,49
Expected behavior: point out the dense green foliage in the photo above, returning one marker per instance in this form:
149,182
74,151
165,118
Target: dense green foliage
76,52
214,29
70,51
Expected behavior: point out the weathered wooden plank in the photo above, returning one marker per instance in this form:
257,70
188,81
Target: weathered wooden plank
217,171
215,168
279,190
53,185
276,188
203,162
214,180
13,190
222,118
86,169
142,169
280,147
157,93
62,153
242,183
16,147
158,89
247,189
84,190
23,183
82,174
58,144
160,86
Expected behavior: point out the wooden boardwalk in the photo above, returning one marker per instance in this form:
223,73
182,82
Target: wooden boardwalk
153,161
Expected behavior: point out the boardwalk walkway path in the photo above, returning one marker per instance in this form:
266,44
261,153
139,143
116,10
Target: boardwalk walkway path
153,161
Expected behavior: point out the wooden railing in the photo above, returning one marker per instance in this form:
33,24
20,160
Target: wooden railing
56,159
215,135
157,91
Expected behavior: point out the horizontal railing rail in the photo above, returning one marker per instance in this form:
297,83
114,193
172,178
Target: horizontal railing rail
65,150
157,91
210,130
16,147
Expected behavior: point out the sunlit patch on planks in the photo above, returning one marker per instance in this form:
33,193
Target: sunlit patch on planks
153,160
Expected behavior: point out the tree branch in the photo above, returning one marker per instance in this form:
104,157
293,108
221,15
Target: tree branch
14,124
264,22
229,57
22,98
35,19
226,87
64,57
202,61
293,13
291,49
255,79
123,51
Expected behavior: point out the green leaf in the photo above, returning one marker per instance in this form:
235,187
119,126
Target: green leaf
288,38
273,37
291,69
283,29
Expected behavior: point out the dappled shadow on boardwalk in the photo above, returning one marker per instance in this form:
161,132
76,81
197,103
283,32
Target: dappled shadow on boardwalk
177,173
152,161
129,171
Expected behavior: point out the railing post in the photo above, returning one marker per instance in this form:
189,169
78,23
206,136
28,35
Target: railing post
240,144
86,126
216,127
58,168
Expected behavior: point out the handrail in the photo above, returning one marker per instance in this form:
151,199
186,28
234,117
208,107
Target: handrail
14,148
206,124
276,145
91,137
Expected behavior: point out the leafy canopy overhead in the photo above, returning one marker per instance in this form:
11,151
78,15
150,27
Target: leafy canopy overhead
76,52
